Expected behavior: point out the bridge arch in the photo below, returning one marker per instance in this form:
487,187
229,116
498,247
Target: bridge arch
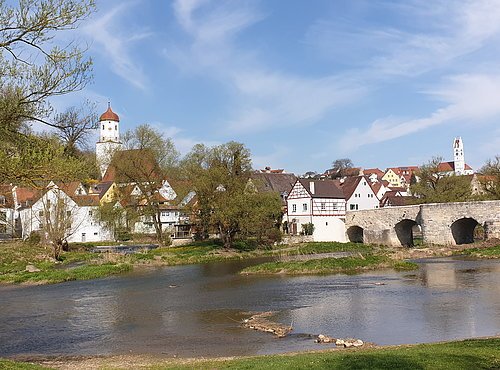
463,229
355,234
404,232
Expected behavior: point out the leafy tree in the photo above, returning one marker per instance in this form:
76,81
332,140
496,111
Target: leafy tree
220,175
490,179
35,66
434,187
148,158
38,158
113,216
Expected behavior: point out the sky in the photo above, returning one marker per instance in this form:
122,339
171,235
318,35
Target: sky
302,83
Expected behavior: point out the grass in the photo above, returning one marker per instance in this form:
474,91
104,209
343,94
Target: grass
490,252
467,354
14,365
330,265
80,264
456,355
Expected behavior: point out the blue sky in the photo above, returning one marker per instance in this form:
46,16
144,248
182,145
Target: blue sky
302,83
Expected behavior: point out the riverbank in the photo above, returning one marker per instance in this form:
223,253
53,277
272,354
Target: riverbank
347,265
32,264
483,353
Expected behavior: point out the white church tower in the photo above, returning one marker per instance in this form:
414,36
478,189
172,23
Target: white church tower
458,156
109,139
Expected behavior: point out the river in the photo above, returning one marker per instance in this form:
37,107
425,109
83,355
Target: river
195,310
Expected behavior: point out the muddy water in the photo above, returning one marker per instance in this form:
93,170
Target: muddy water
194,310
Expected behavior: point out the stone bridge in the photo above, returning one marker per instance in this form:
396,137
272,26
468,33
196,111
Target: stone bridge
440,223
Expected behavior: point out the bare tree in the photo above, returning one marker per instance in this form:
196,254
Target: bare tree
75,126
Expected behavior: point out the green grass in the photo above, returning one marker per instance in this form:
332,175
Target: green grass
329,265
463,355
14,365
330,247
490,252
52,275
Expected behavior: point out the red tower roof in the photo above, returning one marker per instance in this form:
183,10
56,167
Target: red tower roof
109,115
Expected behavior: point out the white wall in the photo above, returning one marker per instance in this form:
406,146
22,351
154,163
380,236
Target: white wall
362,198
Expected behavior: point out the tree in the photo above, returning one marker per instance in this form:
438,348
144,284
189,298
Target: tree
148,158
220,175
75,125
341,167
113,216
434,187
35,66
56,216
490,178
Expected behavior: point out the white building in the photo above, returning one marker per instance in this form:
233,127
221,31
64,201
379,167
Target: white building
359,193
320,202
59,206
109,139
457,166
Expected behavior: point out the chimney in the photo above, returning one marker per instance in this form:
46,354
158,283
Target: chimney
311,187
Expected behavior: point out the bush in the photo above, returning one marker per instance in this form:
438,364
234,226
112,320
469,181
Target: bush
34,238
167,240
123,235
308,229
245,245
274,235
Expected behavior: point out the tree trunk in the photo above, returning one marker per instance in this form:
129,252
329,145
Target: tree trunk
57,249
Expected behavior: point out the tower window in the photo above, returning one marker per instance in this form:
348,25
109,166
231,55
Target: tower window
116,127
103,127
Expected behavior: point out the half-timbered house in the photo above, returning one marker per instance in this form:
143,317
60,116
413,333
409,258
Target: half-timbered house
320,202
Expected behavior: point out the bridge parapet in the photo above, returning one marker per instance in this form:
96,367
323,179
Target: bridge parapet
441,223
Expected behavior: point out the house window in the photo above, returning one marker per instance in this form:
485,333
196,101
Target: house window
40,213
353,207
3,216
323,206
68,213
165,214
40,226
96,233
294,208
304,207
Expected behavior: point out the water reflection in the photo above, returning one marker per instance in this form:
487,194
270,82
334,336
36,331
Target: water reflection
196,310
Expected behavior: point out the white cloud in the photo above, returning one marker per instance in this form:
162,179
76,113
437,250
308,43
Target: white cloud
468,98
264,98
108,35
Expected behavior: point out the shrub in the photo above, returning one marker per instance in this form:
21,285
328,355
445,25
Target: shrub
308,229
34,238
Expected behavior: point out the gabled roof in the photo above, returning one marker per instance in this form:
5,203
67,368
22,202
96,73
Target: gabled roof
70,188
86,200
322,188
350,184
393,198
102,187
376,171
270,181
6,197
450,166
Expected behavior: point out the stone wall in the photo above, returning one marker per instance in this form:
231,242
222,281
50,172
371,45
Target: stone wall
443,223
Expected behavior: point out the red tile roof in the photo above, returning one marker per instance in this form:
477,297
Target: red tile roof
109,115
